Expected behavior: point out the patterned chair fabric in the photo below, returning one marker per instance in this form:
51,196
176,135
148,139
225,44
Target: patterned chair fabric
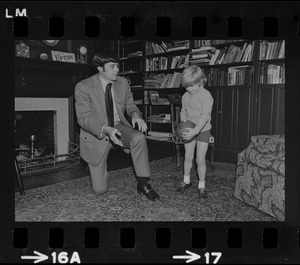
260,175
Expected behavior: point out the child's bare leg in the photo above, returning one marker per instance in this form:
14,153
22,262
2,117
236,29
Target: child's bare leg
201,153
188,157
187,166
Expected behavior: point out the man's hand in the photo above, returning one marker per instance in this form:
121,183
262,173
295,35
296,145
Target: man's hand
136,119
113,134
189,134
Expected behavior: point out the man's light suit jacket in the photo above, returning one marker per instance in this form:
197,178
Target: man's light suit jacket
91,114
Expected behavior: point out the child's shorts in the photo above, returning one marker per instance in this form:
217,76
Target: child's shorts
203,136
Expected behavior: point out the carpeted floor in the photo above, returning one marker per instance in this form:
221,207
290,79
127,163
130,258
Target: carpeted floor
75,201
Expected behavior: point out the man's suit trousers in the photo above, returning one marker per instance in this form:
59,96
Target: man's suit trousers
136,142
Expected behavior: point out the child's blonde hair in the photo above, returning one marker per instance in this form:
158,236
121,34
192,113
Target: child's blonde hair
192,75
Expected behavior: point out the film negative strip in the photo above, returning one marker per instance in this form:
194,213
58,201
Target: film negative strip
54,209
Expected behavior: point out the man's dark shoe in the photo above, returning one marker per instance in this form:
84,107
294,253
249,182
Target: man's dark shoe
203,194
183,187
148,192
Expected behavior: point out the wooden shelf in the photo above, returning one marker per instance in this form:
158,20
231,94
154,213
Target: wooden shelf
53,65
160,122
125,43
268,85
165,71
231,86
271,61
226,65
131,58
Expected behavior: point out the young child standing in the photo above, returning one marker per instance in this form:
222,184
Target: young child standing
197,105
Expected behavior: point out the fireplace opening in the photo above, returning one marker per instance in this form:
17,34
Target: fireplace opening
34,134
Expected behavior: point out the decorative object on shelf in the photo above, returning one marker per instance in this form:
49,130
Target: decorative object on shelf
43,56
22,50
63,56
81,55
128,79
50,42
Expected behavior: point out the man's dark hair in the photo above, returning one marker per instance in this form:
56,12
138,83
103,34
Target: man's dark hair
103,57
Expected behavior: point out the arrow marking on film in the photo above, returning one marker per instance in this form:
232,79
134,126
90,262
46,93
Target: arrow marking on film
189,258
39,258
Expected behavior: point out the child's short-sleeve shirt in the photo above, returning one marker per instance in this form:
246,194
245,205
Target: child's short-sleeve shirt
193,106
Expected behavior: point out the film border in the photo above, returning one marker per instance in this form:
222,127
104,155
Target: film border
287,13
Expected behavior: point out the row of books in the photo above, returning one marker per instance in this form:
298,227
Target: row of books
162,63
163,81
153,81
200,43
271,50
202,55
228,54
162,47
232,76
272,74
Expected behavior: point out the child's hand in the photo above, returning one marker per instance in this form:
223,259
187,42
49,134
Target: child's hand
188,134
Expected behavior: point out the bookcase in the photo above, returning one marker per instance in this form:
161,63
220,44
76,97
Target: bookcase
164,63
131,55
245,77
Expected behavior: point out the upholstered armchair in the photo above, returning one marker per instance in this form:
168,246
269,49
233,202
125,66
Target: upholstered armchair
260,175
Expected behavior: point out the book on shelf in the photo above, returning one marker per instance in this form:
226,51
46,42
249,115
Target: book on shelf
153,81
177,45
236,75
162,80
199,43
281,53
272,74
156,63
271,50
166,81
159,136
240,75
202,55
175,80
161,116
162,47
165,118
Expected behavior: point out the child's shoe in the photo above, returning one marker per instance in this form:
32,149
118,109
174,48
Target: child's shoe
183,187
203,194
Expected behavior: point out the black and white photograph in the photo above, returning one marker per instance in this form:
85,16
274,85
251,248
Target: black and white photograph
150,132
193,130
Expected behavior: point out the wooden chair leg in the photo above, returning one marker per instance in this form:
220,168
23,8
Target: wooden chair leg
212,153
20,182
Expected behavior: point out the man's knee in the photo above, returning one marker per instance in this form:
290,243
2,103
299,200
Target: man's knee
138,138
